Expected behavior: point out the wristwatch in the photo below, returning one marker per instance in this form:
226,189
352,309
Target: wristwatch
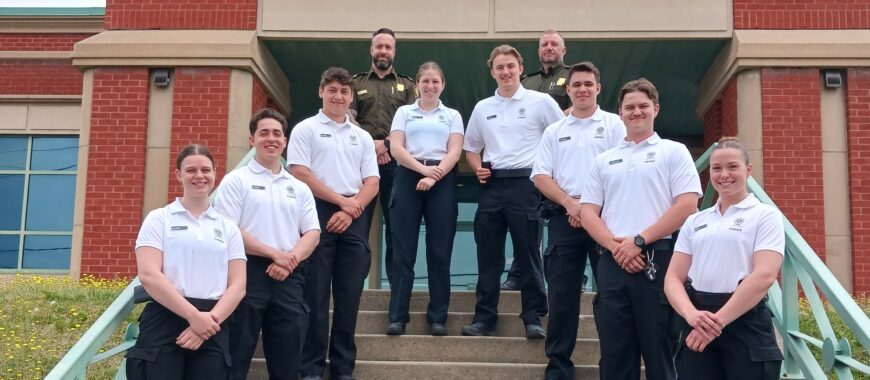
387,143
640,241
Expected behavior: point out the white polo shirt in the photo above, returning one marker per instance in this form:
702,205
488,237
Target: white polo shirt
569,146
427,133
275,209
508,130
196,251
722,246
637,183
340,155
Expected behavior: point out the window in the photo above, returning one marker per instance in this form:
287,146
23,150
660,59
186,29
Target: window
37,183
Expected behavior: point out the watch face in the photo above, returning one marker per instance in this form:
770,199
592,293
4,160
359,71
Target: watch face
639,241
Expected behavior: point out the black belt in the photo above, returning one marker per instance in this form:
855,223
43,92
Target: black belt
430,162
700,298
511,173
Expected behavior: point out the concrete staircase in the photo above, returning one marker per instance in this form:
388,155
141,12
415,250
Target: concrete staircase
418,355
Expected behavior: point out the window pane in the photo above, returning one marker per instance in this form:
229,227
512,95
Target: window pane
9,251
46,252
13,153
54,153
11,200
50,202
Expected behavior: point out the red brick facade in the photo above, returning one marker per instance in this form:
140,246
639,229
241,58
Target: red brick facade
39,77
116,171
40,41
801,14
200,108
792,143
181,14
858,114
261,99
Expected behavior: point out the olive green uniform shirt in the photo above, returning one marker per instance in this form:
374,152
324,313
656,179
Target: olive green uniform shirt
376,100
554,82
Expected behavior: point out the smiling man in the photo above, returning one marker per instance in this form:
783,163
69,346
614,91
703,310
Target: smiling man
276,215
337,160
500,143
565,155
378,93
637,195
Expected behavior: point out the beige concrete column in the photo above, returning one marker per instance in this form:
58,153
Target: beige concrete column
749,119
835,164
158,156
78,230
239,114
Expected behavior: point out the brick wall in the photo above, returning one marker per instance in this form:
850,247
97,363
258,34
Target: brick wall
199,115
181,14
40,41
801,14
729,108
39,77
792,141
858,113
261,98
116,171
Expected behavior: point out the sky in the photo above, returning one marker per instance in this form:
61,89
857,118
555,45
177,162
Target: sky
52,3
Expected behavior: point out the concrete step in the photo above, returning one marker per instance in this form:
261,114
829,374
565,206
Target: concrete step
380,370
375,322
462,301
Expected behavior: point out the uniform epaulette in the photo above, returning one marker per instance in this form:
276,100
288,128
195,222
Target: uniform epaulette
357,75
407,77
524,76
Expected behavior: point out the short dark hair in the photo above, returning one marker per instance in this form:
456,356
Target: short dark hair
267,113
585,67
192,150
639,85
384,31
338,75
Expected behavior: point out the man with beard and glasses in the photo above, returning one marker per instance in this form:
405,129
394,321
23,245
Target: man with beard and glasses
378,93
552,79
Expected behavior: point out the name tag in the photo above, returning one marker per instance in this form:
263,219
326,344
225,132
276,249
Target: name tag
614,162
258,187
416,117
490,117
178,228
566,138
701,227
325,135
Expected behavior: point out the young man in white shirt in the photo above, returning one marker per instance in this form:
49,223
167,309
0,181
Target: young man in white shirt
565,155
500,143
276,215
638,194
337,160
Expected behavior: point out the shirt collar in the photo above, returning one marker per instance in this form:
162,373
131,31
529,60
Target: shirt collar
176,207
518,95
652,140
255,167
373,73
323,119
553,69
440,106
598,115
747,202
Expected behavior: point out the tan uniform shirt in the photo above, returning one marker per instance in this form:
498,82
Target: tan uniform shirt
376,100
554,82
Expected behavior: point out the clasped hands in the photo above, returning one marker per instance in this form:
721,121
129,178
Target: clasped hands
627,255
706,326
431,174
203,326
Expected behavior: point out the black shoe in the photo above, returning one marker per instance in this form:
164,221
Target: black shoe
312,377
476,329
438,329
510,285
396,328
535,331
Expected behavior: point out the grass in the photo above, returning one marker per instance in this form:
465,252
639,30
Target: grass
808,326
41,317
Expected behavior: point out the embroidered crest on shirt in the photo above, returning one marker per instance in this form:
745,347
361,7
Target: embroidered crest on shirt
354,140
599,133
650,157
738,225
218,235
291,192
521,113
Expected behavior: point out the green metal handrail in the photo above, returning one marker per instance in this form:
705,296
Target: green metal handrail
802,266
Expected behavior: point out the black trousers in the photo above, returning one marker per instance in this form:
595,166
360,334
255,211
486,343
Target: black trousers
407,207
156,356
565,262
634,319
338,266
746,350
508,205
279,309
387,173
